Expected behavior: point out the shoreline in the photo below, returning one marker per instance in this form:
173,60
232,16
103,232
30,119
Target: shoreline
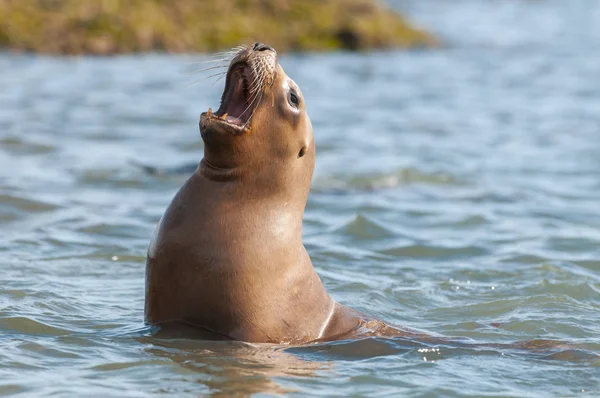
110,27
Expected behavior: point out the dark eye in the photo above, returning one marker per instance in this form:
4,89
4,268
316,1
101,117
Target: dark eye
294,99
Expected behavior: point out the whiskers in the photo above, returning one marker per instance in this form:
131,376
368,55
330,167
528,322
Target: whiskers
217,65
259,73
254,84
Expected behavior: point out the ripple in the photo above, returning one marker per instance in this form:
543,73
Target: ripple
110,367
523,259
369,348
490,309
118,178
10,389
182,170
432,251
23,325
351,350
114,230
362,227
573,356
592,265
386,180
104,254
46,351
471,221
580,291
17,145
13,207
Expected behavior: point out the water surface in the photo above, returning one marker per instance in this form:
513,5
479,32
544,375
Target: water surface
456,191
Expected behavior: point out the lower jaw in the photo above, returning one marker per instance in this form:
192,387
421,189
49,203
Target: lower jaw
210,120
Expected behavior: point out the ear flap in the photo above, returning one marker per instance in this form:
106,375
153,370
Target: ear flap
309,139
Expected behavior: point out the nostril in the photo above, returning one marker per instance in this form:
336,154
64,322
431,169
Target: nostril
261,47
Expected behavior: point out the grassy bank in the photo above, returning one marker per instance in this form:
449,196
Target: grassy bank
119,26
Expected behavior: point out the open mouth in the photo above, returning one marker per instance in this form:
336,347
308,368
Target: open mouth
236,103
250,73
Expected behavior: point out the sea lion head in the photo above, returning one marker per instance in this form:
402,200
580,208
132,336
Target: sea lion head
261,130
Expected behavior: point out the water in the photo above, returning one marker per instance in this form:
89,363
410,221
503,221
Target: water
456,191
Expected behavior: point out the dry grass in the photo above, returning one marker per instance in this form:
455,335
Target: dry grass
119,26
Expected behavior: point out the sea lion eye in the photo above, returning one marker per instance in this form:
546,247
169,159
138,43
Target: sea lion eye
294,99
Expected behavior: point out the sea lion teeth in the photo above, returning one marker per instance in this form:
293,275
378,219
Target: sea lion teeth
209,112
224,117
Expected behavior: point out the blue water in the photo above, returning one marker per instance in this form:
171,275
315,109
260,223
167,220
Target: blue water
456,191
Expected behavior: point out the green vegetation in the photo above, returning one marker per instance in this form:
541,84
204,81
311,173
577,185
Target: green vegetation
118,26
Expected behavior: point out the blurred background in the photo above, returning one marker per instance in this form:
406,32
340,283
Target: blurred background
456,190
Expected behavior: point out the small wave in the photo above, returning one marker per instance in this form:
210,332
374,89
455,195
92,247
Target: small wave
113,177
16,206
573,356
523,259
364,227
373,347
114,230
576,290
23,325
430,251
11,389
109,367
19,145
48,351
166,171
389,180
351,350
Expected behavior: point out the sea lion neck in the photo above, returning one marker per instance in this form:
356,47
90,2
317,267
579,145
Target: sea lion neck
247,204
218,174
275,181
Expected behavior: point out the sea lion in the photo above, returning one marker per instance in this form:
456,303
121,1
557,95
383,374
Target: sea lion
227,256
